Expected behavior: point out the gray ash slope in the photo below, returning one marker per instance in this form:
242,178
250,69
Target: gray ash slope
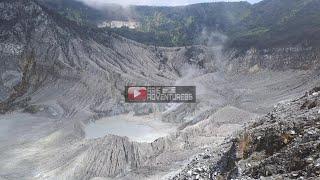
56,76
39,47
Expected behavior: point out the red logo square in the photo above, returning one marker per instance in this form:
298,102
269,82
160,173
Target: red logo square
137,94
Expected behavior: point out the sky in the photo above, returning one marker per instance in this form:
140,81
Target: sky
154,2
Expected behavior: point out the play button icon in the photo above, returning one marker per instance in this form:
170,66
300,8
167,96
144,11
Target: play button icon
137,94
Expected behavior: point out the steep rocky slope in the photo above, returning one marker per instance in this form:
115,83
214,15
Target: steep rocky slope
283,144
285,58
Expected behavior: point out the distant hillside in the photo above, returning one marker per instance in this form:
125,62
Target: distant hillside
74,10
163,26
182,25
269,23
278,23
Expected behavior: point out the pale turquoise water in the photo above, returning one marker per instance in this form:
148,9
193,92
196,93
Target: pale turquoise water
133,130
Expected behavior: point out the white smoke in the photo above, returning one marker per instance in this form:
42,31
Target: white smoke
192,75
215,41
188,72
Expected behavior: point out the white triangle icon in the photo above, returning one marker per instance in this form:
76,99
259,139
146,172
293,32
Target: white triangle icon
136,93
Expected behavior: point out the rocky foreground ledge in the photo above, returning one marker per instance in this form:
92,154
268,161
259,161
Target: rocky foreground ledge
284,144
